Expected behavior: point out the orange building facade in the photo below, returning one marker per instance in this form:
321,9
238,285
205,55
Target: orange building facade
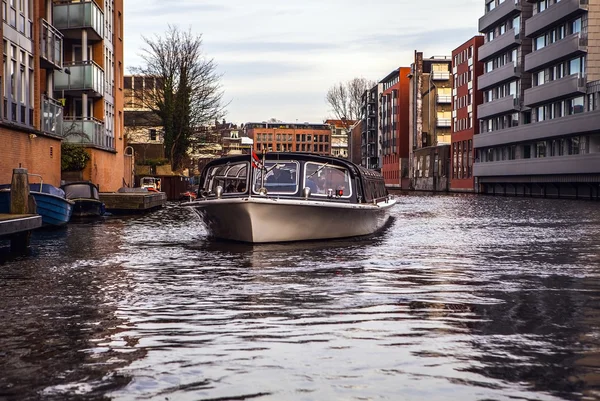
395,128
466,69
287,137
63,81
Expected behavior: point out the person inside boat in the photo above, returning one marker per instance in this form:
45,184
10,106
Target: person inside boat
310,182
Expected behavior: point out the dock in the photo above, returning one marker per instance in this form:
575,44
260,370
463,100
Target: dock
11,224
18,224
133,202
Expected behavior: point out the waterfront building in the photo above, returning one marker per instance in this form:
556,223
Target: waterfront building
31,117
370,151
355,145
143,128
540,117
430,118
466,96
395,129
91,84
289,137
340,137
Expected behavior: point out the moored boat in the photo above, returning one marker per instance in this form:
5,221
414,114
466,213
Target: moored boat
50,201
290,197
86,197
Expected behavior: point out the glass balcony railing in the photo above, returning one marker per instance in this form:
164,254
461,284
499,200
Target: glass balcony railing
86,131
81,15
52,117
51,45
80,76
443,122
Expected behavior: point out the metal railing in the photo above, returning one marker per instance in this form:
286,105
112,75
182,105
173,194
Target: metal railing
52,117
86,130
83,14
83,75
51,44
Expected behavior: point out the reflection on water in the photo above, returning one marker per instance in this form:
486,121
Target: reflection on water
486,298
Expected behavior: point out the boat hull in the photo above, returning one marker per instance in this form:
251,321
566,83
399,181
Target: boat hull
55,211
262,220
88,208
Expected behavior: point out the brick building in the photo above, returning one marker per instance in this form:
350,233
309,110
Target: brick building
288,137
430,112
466,97
62,80
395,129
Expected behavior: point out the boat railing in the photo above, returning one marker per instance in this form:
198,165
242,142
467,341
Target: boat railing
382,199
40,177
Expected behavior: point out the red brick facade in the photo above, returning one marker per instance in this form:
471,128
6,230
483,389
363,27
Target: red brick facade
466,97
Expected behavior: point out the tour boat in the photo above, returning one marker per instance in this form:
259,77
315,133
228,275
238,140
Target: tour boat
86,197
290,197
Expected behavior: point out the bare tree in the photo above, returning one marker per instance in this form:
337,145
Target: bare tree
187,92
344,98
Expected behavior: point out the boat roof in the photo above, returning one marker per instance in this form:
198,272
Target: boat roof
300,156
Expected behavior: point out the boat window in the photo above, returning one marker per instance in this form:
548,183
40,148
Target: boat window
320,177
232,178
280,177
80,191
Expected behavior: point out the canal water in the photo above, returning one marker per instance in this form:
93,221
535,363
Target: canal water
459,298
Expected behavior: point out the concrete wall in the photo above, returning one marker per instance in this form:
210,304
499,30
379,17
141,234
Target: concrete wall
39,155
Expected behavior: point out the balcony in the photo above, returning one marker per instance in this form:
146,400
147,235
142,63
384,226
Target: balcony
444,122
568,47
71,18
444,99
502,74
509,39
440,75
499,13
564,87
553,15
574,164
84,76
86,131
52,117
51,46
569,125
497,107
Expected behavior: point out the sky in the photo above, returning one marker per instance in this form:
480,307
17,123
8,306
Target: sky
278,58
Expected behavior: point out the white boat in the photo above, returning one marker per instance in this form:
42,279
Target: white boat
291,197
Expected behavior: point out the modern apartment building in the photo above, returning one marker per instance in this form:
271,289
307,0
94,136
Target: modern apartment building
465,97
290,137
394,127
430,118
369,141
539,121
30,116
90,85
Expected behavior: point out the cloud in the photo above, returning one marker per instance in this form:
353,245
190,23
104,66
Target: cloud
164,8
269,47
253,69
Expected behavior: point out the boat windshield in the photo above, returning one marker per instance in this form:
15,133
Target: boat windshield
280,177
321,177
74,191
231,177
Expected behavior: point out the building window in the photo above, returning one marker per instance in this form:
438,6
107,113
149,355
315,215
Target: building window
153,135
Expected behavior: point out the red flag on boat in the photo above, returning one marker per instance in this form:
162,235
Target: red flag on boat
256,163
